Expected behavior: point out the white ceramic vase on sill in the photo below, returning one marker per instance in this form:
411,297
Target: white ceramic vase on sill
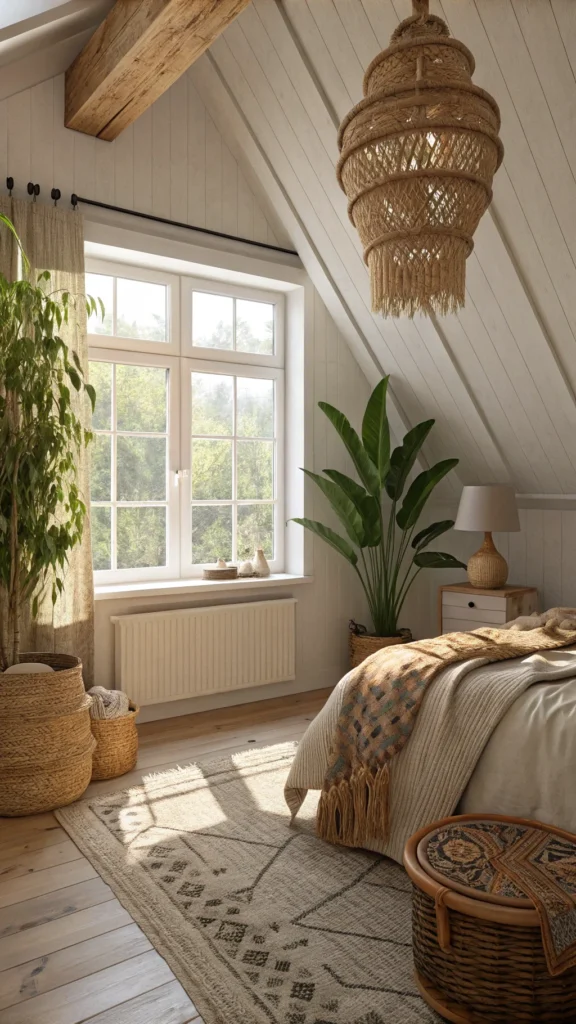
259,563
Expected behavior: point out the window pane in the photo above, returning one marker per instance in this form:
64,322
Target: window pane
211,533
212,403
141,393
141,469
101,467
100,376
254,327
255,469
100,520
212,320
99,286
141,537
212,470
140,310
255,529
255,399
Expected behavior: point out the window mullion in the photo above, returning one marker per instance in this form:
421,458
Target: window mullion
113,486
235,463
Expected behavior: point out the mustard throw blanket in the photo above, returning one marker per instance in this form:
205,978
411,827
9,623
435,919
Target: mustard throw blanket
382,699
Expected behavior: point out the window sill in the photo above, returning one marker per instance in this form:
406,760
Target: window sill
171,588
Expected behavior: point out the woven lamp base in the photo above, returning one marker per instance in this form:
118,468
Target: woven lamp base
487,569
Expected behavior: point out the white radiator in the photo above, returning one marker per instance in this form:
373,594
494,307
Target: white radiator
190,652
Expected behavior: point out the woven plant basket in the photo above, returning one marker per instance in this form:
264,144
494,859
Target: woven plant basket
45,738
363,645
418,155
492,969
116,745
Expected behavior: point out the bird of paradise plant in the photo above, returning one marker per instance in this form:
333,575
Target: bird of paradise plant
378,518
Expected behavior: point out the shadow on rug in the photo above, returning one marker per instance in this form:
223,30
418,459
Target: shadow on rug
260,922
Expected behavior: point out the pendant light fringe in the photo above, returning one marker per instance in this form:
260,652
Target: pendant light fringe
418,155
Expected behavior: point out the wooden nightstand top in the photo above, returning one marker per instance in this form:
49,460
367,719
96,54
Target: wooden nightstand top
507,591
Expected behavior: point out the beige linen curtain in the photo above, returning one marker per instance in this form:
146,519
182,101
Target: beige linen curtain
53,240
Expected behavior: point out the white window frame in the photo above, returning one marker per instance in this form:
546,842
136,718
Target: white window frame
171,569
188,569
172,344
200,284
180,357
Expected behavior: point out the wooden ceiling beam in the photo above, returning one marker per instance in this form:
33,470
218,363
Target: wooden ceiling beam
140,49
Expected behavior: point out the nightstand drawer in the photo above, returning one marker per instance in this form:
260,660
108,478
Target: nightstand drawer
473,602
493,615
463,607
465,625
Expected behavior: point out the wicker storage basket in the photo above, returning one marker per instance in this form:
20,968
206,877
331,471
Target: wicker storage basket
480,959
362,645
45,738
116,745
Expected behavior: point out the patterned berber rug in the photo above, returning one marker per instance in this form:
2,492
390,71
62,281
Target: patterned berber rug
260,922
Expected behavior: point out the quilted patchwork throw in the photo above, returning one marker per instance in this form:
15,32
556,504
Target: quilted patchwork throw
382,699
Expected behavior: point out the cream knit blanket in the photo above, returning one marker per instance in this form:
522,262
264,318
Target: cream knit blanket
459,712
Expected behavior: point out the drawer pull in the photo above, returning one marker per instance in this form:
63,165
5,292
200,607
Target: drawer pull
471,604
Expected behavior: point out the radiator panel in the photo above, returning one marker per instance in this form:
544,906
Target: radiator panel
192,652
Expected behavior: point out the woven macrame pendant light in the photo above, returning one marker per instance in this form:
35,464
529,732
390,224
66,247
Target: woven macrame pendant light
418,155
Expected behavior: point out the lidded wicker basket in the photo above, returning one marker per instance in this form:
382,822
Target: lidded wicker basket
478,949
418,155
45,738
116,745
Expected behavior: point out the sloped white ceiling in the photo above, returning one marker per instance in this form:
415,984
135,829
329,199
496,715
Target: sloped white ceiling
500,378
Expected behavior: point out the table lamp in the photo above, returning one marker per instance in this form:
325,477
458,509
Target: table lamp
490,507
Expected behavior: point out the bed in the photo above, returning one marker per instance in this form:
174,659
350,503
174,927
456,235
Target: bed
520,760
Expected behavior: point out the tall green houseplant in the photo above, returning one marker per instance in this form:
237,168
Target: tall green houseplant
379,519
41,509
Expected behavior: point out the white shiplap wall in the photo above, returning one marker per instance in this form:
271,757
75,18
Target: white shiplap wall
542,555
173,162
500,378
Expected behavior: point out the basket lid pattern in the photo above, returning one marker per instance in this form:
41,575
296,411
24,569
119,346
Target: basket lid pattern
512,862
468,856
460,857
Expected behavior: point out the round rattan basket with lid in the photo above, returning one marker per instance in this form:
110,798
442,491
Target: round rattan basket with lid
45,738
116,745
478,953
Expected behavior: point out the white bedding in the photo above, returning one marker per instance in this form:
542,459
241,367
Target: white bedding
523,763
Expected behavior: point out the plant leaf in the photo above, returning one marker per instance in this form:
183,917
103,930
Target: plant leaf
404,457
366,504
437,560
342,506
419,492
376,430
426,536
333,539
362,461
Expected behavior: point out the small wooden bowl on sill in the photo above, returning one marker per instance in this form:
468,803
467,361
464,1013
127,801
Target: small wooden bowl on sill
229,573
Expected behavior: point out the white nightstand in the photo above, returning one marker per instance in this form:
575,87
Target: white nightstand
462,607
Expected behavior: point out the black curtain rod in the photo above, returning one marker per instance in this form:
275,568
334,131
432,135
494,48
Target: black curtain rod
75,199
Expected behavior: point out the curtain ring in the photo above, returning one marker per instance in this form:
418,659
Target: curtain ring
9,185
55,195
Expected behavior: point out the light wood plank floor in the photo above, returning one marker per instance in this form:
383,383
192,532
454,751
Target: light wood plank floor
69,952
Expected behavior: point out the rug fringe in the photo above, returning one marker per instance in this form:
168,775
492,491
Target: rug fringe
355,810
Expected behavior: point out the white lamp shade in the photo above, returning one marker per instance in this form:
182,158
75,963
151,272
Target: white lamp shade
489,508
